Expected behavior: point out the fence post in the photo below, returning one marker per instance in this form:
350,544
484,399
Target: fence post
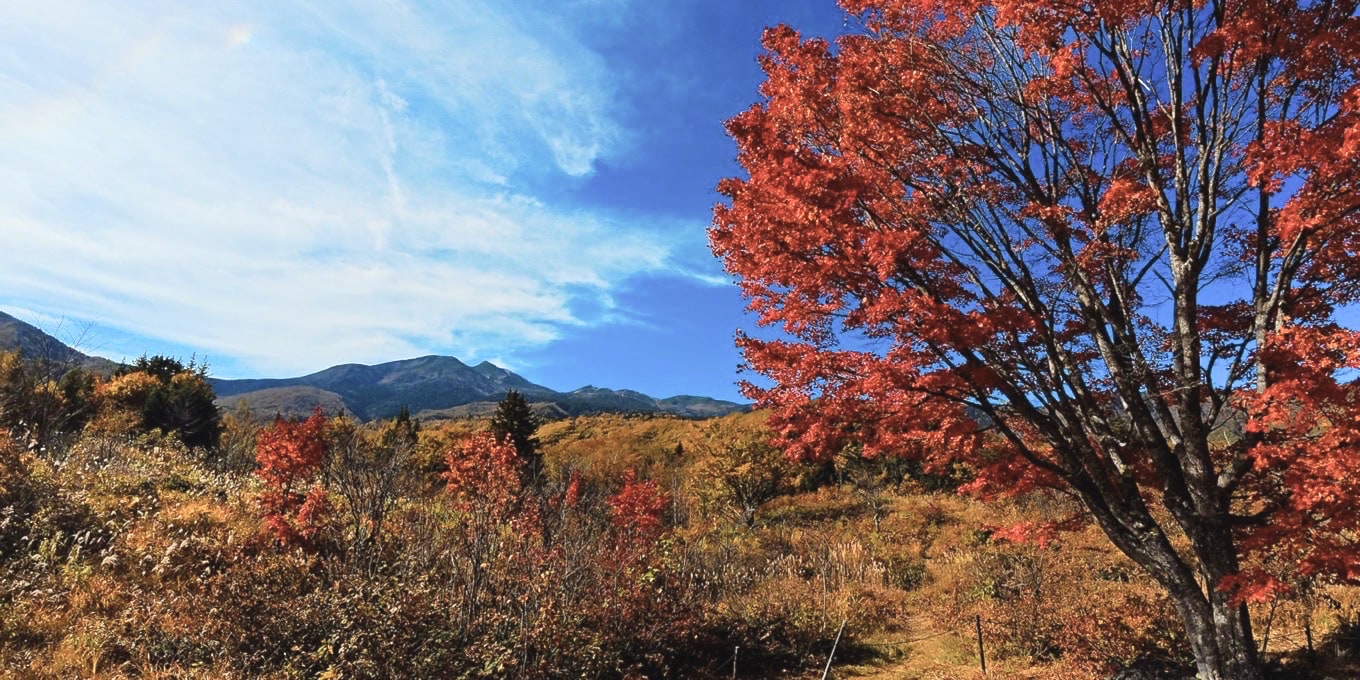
982,653
735,651
827,673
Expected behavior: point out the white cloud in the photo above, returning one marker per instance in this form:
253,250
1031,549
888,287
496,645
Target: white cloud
301,185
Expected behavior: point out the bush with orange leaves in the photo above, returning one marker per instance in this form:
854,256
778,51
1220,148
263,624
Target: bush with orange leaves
637,508
559,579
483,473
483,484
289,455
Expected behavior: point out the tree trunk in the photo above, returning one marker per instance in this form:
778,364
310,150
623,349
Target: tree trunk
1219,635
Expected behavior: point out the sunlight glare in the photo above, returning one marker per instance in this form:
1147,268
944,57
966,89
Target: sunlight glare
238,35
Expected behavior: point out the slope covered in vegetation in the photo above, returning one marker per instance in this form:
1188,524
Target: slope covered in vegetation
646,547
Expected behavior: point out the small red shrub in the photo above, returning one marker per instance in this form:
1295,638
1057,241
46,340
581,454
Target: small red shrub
289,456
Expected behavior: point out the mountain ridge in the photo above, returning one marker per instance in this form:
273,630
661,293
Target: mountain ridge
432,386
36,344
437,386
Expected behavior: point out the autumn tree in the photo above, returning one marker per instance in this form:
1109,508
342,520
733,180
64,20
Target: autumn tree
485,484
740,470
160,367
1078,238
638,507
369,469
166,394
236,445
289,458
40,400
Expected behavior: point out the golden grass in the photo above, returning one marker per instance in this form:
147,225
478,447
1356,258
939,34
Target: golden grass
162,529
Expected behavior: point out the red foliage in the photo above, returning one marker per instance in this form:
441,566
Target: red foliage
1019,214
289,455
638,507
552,560
484,472
1040,534
1252,586
572,495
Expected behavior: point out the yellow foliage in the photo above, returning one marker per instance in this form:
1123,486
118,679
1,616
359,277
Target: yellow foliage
129,388
141,560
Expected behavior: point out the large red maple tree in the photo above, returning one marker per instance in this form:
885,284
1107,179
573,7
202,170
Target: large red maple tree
1110,247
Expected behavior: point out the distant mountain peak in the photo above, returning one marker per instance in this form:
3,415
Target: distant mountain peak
486,367
431,386
435,358
438,386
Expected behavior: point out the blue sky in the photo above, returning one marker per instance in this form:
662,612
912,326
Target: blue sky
278,187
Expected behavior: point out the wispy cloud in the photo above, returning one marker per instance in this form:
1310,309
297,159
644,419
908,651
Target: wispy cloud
302,184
